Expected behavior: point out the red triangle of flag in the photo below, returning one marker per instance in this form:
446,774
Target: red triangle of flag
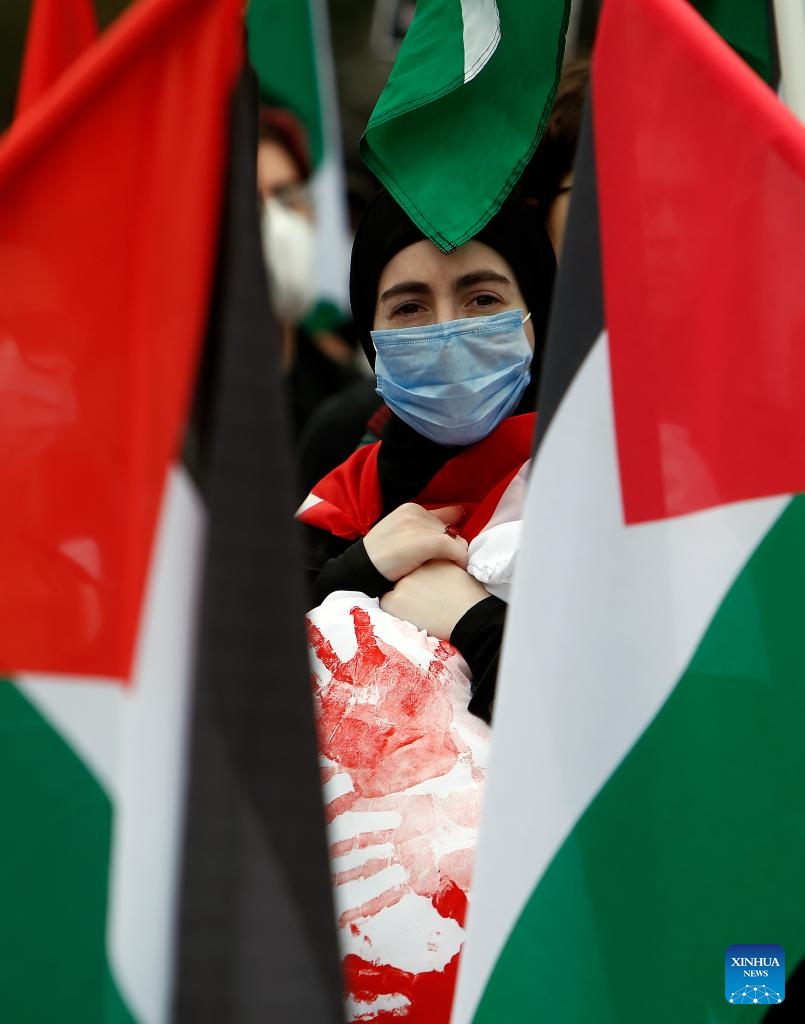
109,199
701,175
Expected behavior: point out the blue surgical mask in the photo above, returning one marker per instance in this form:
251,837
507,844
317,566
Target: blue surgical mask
454,382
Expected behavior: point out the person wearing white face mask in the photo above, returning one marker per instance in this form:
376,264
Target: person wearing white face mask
315,366
287,219
288,249
455,340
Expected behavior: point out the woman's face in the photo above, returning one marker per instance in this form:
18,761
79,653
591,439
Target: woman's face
423,285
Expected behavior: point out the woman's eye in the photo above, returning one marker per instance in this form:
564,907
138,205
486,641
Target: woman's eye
407,309
485,300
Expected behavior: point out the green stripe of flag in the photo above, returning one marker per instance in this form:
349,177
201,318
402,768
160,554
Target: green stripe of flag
283,52
57,823
696,840
289,47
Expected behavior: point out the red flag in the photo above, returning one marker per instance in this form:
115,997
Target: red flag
109,200
57,32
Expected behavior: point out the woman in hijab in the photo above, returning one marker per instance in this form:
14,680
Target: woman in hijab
414,539
455,340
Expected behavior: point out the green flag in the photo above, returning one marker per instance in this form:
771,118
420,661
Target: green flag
283,53
464,108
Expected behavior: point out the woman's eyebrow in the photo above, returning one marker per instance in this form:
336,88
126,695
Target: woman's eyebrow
479,277
407,288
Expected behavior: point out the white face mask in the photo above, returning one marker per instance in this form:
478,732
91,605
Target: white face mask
288,239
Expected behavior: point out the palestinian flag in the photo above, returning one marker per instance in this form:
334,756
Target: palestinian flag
468,98
58,30
644,808
289,48
257,936
110,200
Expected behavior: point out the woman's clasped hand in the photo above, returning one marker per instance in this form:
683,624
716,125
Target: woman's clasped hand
434,597
411,535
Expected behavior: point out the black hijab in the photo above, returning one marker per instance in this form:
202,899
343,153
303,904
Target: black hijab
516,232
407,460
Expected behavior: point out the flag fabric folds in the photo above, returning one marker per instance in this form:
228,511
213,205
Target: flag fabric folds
58,31
106,269
110,202
644,802
464,108
257,938
282,50
109,211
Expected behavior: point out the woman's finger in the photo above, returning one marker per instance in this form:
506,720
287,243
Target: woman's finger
450,514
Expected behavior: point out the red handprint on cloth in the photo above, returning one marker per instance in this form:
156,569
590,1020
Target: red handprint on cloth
403,772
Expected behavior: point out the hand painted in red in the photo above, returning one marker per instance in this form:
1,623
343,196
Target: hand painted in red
403,775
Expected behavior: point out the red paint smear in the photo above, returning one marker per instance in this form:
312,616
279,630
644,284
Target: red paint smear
324,651
360,842
338,806
430,993
369,652
457,866
390,724
364,870
402,737
397,740
370,908
445,650
451,901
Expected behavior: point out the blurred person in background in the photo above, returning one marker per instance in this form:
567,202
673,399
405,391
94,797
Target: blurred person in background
356,414
547,180
316,364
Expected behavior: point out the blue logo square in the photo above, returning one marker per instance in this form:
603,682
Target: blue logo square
754,973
